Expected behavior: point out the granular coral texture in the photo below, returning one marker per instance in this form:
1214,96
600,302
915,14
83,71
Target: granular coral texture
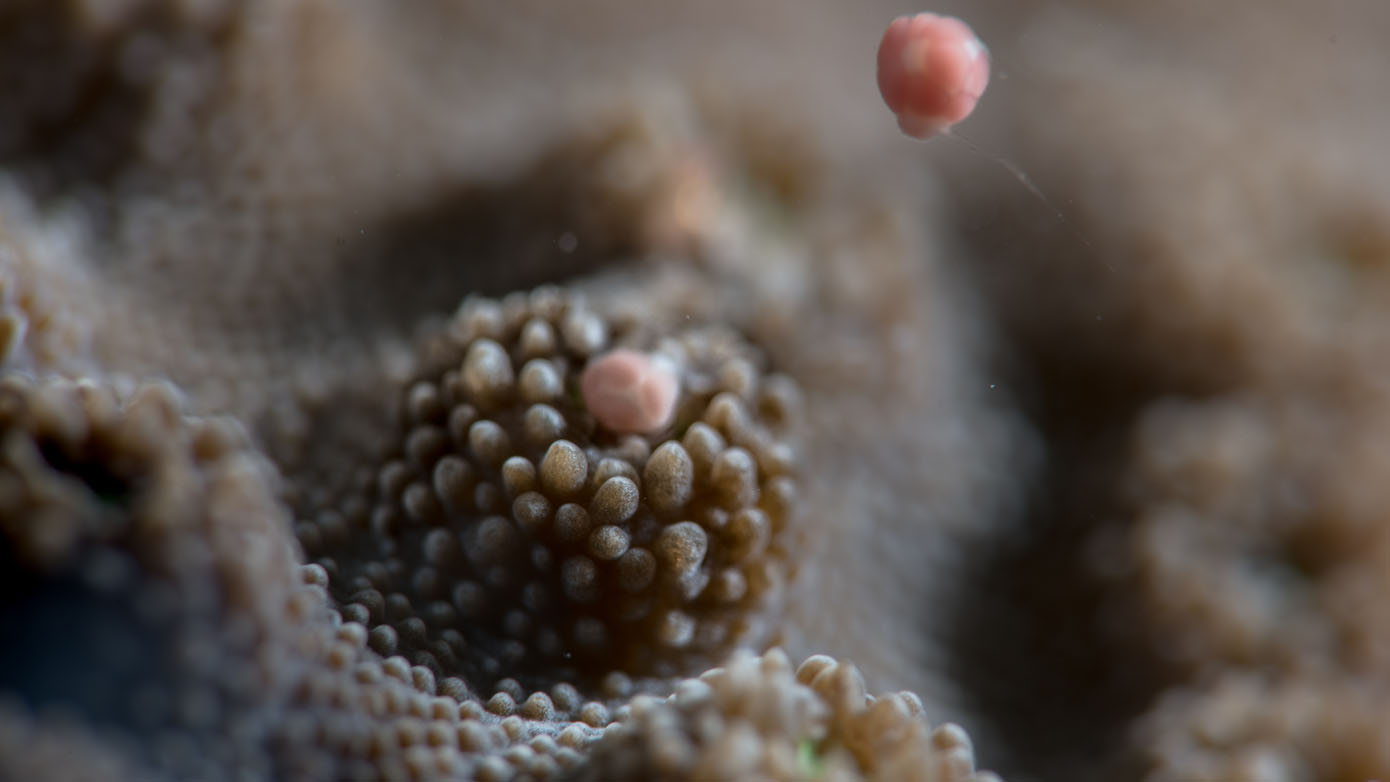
509,535
155,617
1248,727
1251,551
48,749
88,79
1259,569
356,715
45,298
1201,356
119,600
1240,209
754,718
1107,490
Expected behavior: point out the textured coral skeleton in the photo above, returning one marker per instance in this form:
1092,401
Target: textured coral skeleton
299,478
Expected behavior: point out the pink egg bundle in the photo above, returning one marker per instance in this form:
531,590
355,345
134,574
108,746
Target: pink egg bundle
629,392
932,70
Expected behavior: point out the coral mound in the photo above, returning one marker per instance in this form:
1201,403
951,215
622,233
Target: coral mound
755,718
510,535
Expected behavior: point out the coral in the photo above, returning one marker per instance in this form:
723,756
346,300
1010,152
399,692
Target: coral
151,587
1243,726
1249,550
357,715
43,748
756,718
92,81
41,325
203,649
1107,490
510,534
121,602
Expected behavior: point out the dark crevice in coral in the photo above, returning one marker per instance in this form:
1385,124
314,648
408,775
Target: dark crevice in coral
512,537
67,116
1032,648
94,473
1044,648
73,647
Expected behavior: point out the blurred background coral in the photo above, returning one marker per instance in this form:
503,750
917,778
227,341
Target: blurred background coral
1078,428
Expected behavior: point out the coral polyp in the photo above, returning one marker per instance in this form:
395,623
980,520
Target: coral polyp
512,535
627,391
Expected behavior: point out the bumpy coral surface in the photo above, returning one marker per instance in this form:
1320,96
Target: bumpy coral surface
1072,459
510,534
756,718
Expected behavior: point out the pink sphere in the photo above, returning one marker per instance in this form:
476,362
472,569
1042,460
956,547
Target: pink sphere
932,70
629,392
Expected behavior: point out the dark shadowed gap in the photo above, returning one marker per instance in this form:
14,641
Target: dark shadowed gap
1030,652
1035,650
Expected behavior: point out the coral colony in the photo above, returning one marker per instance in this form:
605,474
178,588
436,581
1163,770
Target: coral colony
568,512
579,392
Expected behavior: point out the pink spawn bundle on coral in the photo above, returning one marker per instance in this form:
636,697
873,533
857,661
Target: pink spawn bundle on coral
932,70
